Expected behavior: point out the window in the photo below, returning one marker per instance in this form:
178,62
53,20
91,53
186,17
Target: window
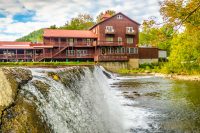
109,29
88,40
109,39
82,53
129,40
131,50
129,29
119,16
70,52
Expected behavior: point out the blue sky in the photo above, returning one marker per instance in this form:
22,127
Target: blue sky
20,17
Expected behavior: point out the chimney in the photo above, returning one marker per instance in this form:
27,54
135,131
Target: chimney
105,16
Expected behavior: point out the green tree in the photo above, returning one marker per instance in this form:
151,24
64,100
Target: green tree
81,22
35,36
185,51
156,35
53,27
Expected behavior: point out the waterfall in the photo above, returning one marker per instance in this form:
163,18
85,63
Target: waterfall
85,104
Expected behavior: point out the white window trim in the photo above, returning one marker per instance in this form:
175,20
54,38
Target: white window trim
129,29
119,16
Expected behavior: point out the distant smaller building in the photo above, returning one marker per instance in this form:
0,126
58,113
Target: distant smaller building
162,54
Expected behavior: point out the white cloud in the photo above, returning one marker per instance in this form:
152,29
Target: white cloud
49,12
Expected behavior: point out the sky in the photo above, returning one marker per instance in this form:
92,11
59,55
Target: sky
20,17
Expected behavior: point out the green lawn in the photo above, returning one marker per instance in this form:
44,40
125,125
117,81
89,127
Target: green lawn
55,64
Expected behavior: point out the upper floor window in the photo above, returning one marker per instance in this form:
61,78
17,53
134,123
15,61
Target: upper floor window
109,28
119,17
129,29
88,41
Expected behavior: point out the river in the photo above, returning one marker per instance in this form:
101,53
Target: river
155,104
92,100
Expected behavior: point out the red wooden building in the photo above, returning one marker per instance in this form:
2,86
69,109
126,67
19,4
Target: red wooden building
114,38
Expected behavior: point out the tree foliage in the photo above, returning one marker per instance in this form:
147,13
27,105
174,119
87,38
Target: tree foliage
35,36
155,35
178,34
110,12
81,22
185,51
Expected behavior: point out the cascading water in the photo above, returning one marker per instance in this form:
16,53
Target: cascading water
92,100
83,104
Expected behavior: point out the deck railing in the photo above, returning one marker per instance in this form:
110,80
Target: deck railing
75,44
87,44
80,56
110,43
16,56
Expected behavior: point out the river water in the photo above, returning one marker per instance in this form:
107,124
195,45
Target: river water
96,101
155,104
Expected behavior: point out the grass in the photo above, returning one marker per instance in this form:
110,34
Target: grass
164,68
43,64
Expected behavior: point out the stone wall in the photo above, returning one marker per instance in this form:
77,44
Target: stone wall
148,61
114,66
131,64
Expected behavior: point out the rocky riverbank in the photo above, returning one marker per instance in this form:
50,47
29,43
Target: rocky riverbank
16,113
18,110
179,77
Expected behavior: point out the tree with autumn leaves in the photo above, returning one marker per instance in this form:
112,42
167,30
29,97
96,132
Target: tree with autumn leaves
179,34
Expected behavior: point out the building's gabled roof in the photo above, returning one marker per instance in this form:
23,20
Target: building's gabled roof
69,33
113,17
